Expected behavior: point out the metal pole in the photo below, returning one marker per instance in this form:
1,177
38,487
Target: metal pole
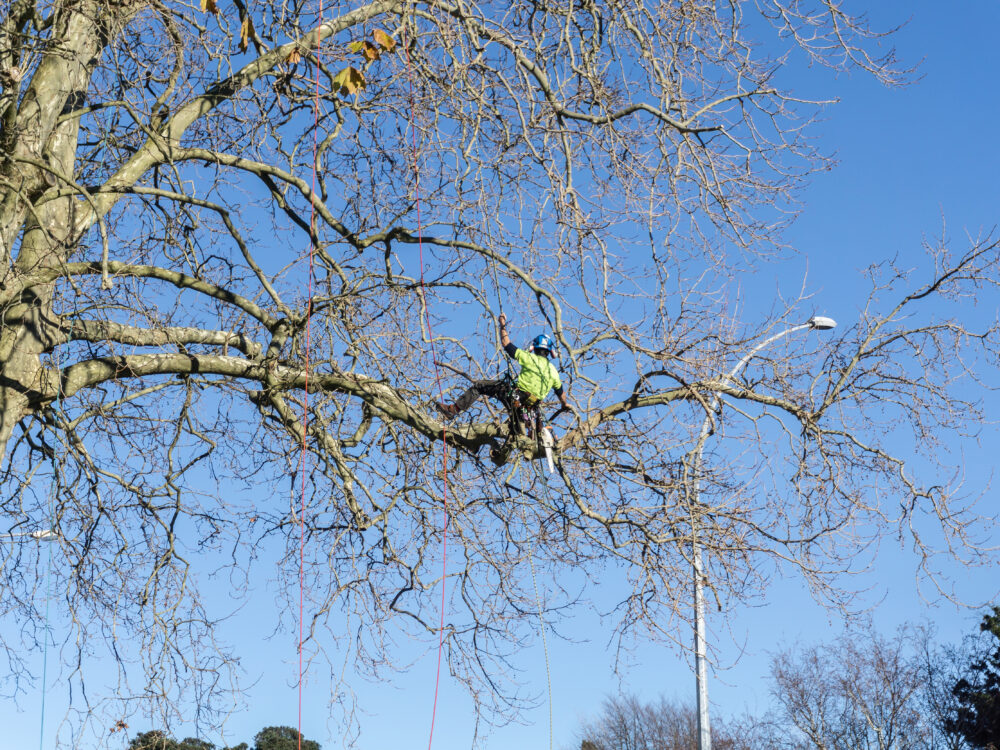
701,663
701,666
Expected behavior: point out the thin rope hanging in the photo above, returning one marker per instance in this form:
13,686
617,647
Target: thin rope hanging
45,646
48,565
538,598
492,262
437,376
303,453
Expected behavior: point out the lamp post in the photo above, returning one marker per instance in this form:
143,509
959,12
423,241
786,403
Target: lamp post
818,323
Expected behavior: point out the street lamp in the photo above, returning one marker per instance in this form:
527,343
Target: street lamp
39,535
817,323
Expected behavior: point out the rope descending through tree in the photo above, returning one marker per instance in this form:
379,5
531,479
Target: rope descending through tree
303,461
48,565
492,263
437,378
538,598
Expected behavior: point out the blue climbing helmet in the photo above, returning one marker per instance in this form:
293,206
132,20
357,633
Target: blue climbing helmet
543,341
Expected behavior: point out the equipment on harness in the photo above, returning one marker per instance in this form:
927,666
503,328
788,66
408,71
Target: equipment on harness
525,420
522,407
543,341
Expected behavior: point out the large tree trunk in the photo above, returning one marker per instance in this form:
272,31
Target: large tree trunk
41,152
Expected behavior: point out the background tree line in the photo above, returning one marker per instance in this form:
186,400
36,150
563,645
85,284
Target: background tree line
268,738
861,691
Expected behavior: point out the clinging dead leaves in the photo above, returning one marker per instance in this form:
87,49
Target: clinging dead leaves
367,50
348,81
246,32
351,80
384,41
384,44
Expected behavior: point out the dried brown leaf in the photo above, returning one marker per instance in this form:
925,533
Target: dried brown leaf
246,31
385,41
348,81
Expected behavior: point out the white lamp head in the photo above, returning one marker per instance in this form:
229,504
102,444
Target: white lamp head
821,323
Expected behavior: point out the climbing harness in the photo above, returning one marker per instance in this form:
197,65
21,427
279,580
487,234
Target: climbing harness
524,419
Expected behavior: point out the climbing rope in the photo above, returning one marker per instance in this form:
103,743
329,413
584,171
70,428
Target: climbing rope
437,378
531,547
492,261
48,565
303,453
489,242
45,646
444,431
538,598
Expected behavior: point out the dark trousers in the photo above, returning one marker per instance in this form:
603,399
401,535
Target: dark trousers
493,388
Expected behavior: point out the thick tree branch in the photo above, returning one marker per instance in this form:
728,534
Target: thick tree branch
104,330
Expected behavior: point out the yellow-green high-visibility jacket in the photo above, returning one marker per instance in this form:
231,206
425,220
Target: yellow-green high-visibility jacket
538,375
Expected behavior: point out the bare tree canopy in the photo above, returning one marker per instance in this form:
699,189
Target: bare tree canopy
627,723
604,169
861,691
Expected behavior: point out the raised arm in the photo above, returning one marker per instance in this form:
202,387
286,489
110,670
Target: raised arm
504,338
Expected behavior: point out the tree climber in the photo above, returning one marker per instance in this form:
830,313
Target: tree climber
538,376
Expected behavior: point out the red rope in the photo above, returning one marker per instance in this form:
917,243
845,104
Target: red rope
437,377
305,399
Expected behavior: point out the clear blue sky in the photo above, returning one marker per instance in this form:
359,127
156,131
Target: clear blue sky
908,159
